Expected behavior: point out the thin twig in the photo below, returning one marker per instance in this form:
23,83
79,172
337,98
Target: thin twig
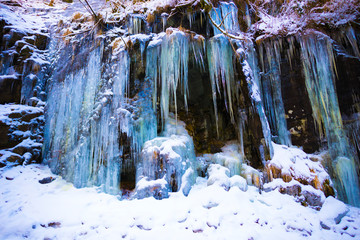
223,31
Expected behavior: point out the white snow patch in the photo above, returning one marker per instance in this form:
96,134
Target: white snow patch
57,210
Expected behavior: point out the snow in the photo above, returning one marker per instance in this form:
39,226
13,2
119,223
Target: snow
22,22
21,110
295,162
57,210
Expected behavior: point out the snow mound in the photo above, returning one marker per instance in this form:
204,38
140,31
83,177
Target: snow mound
332,212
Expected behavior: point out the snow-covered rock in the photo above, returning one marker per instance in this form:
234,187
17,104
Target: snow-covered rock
306,194
219,175
151,188
332,212
20,134
292,163
238,181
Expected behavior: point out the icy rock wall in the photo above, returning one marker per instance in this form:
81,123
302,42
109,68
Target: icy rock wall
102,122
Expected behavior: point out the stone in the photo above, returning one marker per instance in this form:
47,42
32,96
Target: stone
294,190
46,180
14,158
19,149
151,188
41,41
10,88
4,139
312,199
30,115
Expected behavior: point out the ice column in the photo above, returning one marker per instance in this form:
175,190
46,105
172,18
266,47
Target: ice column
271,90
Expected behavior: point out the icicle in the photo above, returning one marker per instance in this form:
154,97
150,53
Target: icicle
221,69
174,70
191,17
164,17
271,90
198,50
86,116
247,16
350,35
318,63
249,65
135,24
153,66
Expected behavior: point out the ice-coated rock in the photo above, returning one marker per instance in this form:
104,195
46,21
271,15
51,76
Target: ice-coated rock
151,188
238,181
219,175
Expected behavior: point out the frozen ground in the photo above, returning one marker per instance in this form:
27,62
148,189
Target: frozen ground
57,210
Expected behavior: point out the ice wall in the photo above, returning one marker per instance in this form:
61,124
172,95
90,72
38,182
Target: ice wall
88,116
116,106
319,69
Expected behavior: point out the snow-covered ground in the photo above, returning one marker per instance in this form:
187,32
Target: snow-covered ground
57,210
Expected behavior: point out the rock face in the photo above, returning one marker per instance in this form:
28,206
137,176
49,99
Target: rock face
21,129
23,63
22,71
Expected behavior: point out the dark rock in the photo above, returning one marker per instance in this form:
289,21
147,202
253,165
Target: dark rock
26,52
4,139
23,126
68,1
12,3
15,115
9,178
54,224
312,198
15,35
30,115
10,88
14,158
29,40
21,149
41,41
293,190
324,226
46,180
19,45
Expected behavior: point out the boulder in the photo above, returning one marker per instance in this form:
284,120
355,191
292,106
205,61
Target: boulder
158,189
